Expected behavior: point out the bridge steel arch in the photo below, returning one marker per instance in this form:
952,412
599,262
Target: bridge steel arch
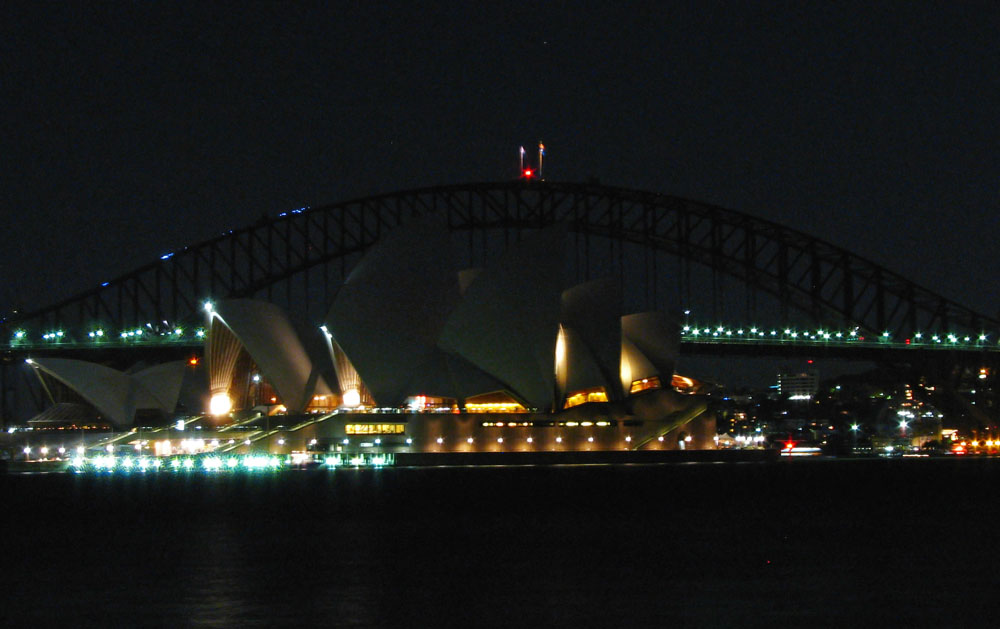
826,283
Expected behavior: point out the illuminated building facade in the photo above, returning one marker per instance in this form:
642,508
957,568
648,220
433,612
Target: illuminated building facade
798,386
419,354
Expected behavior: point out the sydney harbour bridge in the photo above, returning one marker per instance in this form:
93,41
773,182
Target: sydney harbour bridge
737,284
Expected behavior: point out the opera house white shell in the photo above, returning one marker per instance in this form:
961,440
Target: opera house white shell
118,395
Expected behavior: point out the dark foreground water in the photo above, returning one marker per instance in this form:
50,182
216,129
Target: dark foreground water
794,543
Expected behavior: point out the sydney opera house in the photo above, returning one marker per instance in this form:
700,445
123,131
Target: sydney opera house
419,354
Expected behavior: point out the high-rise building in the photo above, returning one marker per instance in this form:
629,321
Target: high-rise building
798,386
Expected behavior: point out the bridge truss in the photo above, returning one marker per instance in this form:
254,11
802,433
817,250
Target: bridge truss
669,252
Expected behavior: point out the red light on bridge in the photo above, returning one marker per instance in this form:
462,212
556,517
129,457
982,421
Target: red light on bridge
907,341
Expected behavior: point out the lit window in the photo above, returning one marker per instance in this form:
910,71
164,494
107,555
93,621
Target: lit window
375,429
645,384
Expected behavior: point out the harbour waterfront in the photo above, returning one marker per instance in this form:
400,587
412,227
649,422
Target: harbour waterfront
817,542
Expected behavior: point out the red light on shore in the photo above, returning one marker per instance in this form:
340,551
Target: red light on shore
527,173
193,361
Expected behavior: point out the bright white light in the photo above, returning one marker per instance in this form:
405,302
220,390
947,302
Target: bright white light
209,308
62,450
558,439
27,450
469,439
179,424
110,448
80,450
220,404
281,442
440,440
499,439
352,398
530,439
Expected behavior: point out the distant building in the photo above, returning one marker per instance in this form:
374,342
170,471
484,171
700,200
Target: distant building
798,386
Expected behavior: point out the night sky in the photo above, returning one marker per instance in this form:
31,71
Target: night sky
136,129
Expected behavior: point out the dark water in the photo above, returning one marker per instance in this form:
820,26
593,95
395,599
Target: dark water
803,543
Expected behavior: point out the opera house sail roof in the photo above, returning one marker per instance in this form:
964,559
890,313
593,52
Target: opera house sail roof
118,395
